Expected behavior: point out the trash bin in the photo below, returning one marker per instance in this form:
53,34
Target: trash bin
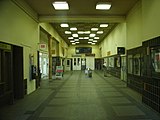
89,73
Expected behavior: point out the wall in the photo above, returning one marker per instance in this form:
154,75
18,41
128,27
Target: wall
48,28
151,18
43,40
117,38
95,50
18,28
134,27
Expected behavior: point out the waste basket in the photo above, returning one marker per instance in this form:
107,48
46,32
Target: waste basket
89,73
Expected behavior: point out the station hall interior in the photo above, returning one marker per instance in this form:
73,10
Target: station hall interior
80,61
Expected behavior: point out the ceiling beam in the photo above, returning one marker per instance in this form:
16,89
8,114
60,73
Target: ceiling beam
97,19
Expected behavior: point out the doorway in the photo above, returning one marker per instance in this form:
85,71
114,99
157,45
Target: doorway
18,82
44,65
76,63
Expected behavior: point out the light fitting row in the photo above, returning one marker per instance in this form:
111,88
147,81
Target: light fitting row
63,5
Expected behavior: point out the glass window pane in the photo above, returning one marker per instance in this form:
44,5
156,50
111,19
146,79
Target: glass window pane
130,62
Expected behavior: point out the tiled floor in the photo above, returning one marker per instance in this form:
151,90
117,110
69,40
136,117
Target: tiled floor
77,97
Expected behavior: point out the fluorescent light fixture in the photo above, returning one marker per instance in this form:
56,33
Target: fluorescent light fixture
96,38
93,43
103,6
60,5
70,38
72,41
64,25
81,38
92,35
86,38
94,29
73,29
87,32
67,32
75,35
77,42
103,25
80,32
90,40
99,32
76,39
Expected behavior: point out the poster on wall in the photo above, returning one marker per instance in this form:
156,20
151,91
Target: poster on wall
111,61
130,61
136,60
155,59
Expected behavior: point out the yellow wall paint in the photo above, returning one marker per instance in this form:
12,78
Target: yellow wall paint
19,29
47,27
134,27
151,19
117,38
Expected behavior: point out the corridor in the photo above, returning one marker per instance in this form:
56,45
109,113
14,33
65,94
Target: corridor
78,97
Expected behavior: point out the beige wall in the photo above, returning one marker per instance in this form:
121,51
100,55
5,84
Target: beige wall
117,38
17,28
134,27
95,50
151,19
48,28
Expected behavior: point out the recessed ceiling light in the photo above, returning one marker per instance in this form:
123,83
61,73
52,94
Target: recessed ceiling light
103,6
70,38
80,32
99,32
94,29
96,38
60,5
73,29
75,35
81,38
92,35
90,40
86,38
64,25
87,32
76,39
103,25
67,32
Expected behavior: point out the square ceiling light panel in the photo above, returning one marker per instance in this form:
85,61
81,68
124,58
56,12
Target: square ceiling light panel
103,6
60,5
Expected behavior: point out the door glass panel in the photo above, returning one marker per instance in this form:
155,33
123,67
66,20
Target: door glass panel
74,61
68,62
130,62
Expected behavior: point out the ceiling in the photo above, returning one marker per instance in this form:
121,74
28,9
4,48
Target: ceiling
83,15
